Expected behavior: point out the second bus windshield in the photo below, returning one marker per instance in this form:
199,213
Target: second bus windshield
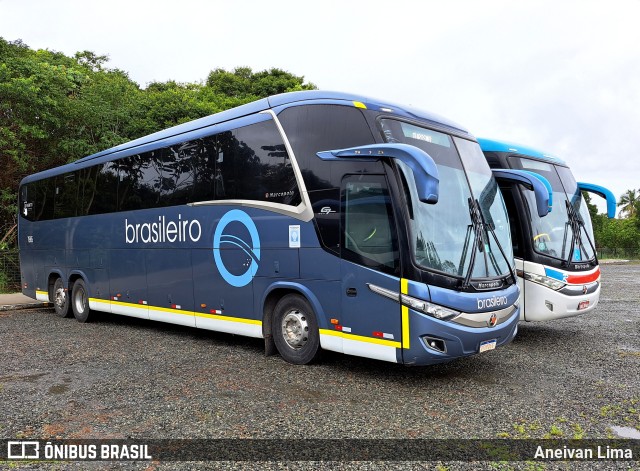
568,224
444,235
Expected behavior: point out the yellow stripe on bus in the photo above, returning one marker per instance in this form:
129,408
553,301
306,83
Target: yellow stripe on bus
227,318
404,289
360,338
177,311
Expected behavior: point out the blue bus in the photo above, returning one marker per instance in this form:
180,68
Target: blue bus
555,254
313,220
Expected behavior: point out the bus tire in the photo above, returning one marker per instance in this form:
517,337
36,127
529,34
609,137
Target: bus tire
60,298
295,330
80,301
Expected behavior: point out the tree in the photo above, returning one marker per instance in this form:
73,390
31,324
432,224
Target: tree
246,85
630,202
55,109
91,60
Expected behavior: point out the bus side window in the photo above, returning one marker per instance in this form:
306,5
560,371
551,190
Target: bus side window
314,128
208,182
368,229
105,199
66,196
225,179
41,195
88,188
138,183
174,184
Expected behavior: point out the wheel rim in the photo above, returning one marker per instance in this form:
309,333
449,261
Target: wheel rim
295,329
80,300
60,298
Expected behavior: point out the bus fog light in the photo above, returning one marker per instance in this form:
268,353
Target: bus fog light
436,344
549,305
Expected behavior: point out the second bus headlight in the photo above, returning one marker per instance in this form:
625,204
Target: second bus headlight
545,281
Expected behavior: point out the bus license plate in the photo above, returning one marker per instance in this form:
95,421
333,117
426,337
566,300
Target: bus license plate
583,305
487,345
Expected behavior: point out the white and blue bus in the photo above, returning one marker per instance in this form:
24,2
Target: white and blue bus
555,254
314,220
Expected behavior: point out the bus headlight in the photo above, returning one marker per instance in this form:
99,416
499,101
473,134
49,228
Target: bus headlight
545,281
433,310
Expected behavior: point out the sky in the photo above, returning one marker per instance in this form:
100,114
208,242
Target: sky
561,76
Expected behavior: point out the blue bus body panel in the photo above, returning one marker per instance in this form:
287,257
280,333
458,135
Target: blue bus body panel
470,302
181,281
492,145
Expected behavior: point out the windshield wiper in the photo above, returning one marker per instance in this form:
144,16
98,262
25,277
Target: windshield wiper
474,226
481,228
576,224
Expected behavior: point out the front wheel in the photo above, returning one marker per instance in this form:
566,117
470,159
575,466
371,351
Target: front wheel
80,301
295,330
60,299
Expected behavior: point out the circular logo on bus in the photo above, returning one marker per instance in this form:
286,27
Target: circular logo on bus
250,248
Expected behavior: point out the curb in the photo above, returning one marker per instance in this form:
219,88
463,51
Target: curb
16,307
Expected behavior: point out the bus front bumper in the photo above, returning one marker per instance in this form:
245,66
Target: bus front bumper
543,304
434,341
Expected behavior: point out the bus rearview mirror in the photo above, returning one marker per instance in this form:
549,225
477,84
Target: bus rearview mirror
605,193
425,171
531,181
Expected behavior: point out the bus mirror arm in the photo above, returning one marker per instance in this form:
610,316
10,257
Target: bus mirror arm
531,182
603,192
425,171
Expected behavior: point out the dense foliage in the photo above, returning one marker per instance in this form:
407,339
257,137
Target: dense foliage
55,109
618,238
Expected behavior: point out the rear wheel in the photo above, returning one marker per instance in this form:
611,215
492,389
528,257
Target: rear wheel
295,330
80,301
60,299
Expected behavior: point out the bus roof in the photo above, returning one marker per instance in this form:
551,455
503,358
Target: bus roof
272,102
491,145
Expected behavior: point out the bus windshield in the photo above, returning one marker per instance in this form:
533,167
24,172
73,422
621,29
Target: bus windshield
466,234
566,232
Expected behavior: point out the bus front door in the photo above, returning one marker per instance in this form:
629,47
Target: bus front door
371,321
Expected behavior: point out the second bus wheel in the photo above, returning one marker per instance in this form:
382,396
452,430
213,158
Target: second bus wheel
295,330
80,301
60,299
